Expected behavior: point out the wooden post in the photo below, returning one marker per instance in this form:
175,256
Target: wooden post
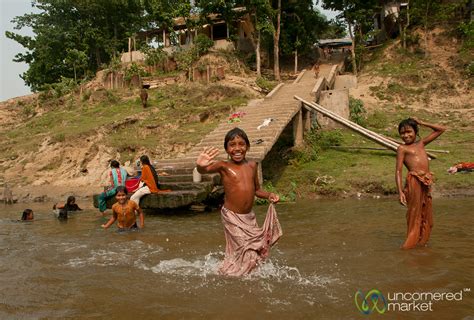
298,129
306,119
164,38
130,48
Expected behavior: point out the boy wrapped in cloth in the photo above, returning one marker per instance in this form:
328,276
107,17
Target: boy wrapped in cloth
246,243
420,211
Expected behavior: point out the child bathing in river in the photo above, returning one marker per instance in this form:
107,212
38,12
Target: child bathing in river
124,211
246,244
417,192
27,215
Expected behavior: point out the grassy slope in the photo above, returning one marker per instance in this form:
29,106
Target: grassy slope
172,117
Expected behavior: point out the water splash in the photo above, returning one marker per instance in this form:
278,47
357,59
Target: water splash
133,253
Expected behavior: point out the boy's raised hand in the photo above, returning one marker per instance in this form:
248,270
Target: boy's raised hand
206,158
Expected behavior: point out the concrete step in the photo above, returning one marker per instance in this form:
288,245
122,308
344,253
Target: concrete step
176,186
184,178
165,200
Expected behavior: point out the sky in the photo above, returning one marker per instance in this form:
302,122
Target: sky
11,85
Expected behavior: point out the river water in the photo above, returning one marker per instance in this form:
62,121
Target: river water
329,250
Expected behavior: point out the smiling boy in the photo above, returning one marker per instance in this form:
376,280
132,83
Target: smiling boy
417,192
246,244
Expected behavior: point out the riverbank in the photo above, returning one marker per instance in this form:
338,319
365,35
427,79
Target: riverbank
55,147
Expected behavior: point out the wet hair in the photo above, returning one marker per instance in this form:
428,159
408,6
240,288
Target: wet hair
236,132
121,189
26,213
408,123
114,164
70,200
145,160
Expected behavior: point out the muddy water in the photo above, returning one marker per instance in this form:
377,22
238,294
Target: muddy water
330,249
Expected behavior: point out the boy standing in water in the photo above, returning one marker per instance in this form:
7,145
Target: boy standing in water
417,192
246,244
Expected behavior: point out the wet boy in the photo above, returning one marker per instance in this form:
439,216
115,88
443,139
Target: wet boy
246,244
417,192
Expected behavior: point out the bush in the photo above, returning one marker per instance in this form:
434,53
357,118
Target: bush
357,111
202,44
134,70
265,84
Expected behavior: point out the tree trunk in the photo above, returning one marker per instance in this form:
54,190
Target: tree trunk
257,55
426,28
353,54
296,61
276,43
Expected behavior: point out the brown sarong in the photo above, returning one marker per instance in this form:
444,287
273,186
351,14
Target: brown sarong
246,243
420,211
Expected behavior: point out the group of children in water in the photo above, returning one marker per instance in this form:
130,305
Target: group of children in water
247,244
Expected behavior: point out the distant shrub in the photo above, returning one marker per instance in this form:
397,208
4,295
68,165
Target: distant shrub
357,111
265,84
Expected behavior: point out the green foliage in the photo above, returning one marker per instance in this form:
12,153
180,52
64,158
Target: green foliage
154,56
59,89
289,196
377,119
185,58
266,84
357,111
315,142
201,45
134,70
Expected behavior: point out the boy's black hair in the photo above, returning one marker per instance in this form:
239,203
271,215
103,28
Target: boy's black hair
236,132
114,164
408,123
26,213
121,189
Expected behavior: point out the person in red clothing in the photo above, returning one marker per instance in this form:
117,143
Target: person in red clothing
148,180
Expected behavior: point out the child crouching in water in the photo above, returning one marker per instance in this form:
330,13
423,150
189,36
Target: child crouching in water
417,192
246,244
124,211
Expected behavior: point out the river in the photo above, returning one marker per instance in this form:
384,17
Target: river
330,249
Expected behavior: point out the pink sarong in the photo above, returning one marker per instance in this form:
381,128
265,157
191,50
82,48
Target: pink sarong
246,243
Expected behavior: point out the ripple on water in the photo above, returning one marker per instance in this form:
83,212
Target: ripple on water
133,253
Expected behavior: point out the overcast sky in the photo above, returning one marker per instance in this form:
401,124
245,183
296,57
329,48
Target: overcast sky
11,83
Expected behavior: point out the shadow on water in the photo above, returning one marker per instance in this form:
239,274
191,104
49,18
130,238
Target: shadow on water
329,250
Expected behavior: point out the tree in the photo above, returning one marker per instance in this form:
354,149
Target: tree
99,29
77,60
358,16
